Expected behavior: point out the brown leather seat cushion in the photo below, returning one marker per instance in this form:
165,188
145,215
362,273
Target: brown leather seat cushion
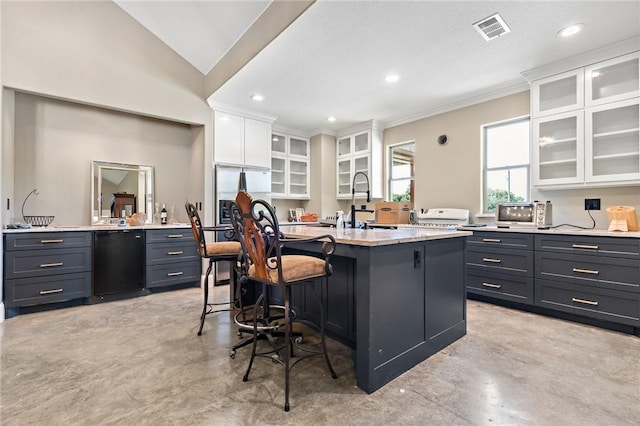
296,268
222,248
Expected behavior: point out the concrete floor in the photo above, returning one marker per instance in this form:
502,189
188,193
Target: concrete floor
139,362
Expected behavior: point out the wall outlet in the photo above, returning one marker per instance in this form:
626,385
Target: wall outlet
592,203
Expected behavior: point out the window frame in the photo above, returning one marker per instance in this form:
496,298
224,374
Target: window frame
485,169
390,178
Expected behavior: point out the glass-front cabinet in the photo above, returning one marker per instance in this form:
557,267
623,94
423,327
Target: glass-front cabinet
359,150
585,125
558,149
289,167
612,148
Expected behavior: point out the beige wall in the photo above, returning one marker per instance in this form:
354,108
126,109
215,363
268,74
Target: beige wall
450,175
56,141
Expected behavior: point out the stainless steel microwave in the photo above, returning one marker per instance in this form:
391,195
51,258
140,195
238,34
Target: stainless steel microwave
536,214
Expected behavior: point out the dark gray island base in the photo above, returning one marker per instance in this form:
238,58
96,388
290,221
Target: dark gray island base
396,297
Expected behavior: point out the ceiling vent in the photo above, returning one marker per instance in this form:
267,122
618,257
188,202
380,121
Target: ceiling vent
492,27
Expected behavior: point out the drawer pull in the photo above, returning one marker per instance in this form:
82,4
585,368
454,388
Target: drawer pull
491,260
174,274
175,236
50,265
173,253
51,241
586,271
585,246
586,302
491,240
57,290
491,285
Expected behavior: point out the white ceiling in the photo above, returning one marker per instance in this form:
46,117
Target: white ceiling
333,59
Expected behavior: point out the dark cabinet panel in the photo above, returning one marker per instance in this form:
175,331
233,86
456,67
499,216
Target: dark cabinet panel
501,286
22,264
514,262
39,290
508,240
46,240
589,246
173,273
171,257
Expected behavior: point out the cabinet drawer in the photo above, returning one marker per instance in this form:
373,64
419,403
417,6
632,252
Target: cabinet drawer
50,289
501,286
173,235
173,273
23,264
170,252
501,239
590,246
607,272
605,304
46,240
516,262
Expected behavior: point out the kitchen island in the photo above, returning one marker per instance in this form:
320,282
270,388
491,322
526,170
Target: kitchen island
396,296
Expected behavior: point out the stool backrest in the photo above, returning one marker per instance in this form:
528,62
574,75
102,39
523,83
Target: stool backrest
256,227
196,228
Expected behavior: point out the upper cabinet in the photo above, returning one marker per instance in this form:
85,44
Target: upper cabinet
585,125
242,140
290,164
360,150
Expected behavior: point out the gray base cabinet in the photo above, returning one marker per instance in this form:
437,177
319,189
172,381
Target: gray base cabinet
593,277
42,268
171,258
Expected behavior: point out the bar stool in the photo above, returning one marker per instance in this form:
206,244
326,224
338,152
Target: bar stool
221,251
256,226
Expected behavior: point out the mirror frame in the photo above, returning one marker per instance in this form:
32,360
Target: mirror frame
96,191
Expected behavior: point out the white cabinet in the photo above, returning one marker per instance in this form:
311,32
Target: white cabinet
359,151
241,141
290,177
585,126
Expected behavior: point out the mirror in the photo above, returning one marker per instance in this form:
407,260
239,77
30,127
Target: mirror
119,190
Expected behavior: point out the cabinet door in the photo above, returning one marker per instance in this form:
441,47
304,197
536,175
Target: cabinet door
361,143
298,178
612,151
612,80
278,144
344,147
257,146
558,149
344,178
229,138
278,177
558,93
298,147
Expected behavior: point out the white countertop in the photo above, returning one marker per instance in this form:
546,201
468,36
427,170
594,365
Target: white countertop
94,228
559,231
372,237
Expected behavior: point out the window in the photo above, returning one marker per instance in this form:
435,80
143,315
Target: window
506,163
401,172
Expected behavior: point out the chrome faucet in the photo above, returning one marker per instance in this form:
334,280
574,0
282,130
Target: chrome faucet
353,197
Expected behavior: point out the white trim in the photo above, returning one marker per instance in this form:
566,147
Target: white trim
246,113
591,57
290,131
461,103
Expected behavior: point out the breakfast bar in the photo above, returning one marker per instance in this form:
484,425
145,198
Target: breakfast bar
396,296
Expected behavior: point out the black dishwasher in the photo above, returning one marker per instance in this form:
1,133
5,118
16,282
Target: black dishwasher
118,263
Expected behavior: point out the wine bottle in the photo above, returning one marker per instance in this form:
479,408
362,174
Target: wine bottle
163,215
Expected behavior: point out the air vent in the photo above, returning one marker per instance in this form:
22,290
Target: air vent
492,27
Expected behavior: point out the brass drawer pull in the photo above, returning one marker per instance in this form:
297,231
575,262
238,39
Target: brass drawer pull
586,302
50,265
491,240
174,274
57,290
491,260
175,236
51,241
492,285
173,253
586,271
585,246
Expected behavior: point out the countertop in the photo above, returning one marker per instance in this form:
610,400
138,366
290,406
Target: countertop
94,228
372,237
559,231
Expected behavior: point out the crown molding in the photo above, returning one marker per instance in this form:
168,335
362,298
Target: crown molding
247,113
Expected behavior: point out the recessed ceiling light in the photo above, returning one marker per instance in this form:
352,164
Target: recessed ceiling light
257,97
570,30
392,78
331,119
